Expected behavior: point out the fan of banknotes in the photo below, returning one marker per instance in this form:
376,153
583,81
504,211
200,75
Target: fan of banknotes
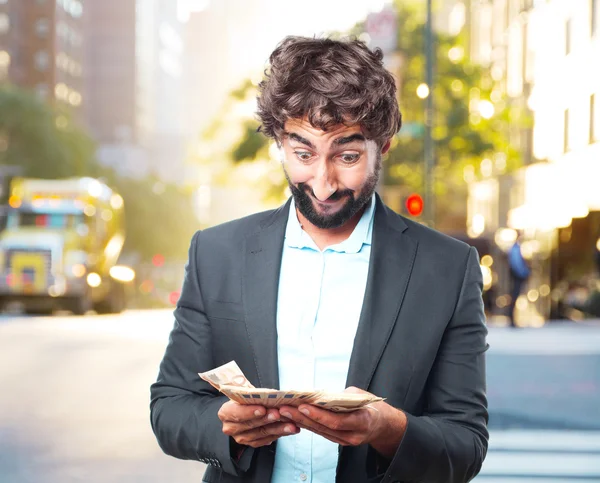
230,380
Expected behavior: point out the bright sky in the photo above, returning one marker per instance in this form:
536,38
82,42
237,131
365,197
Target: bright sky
256,26
312,14
247,31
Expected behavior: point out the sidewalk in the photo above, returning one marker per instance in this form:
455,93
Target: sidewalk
502,321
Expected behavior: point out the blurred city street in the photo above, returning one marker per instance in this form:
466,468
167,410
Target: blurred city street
126,126
74,404
543,393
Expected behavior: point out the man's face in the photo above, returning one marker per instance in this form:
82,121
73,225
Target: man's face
333,174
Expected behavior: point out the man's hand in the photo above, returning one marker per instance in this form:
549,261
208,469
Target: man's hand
380,425
253,425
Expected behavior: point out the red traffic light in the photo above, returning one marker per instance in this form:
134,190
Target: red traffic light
174,297
158,260
414,205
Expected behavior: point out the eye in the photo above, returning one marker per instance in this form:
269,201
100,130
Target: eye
348,158
303,155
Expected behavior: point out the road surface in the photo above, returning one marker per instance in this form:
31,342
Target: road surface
74,402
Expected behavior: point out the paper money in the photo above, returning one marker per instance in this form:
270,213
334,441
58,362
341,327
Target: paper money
226,375
230,380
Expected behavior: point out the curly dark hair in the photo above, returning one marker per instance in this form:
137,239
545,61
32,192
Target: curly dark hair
330,82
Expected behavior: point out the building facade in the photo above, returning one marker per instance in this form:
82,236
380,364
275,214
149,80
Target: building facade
543,55
42,48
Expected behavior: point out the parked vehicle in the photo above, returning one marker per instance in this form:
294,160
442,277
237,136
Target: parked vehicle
61,246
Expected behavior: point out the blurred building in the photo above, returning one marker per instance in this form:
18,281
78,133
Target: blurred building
205,75
160,48
554,199
112,111
42,48
134,83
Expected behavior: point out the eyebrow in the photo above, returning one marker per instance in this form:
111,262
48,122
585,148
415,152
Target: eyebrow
296,137
349,139
338,142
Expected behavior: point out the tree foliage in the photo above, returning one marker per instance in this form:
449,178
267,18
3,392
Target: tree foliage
41,139
46,143
159,216
472,119
463,137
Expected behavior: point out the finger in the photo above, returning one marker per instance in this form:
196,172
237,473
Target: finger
345,438
275,430
305,414
345,430
355,390
303,422
232,411
233,428
262,442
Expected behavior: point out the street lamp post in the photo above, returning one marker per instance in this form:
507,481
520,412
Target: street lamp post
429,154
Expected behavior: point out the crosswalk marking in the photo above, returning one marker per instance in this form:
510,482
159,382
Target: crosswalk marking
541,456
555,340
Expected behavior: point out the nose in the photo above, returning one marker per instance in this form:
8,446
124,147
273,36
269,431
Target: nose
324,184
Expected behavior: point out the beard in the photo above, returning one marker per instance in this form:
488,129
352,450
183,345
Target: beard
304,196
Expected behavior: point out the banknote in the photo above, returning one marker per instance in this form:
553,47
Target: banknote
231,381
226,375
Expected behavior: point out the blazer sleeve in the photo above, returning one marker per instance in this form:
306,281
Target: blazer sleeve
183,407
449,442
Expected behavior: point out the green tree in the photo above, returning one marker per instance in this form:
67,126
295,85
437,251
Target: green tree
42,139
472,118
46,143
159,217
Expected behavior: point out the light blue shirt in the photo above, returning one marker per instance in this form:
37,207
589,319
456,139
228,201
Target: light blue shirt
319,303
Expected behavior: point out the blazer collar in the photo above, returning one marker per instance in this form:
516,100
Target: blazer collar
392,257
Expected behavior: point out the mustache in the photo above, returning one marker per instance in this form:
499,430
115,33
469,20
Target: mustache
338,195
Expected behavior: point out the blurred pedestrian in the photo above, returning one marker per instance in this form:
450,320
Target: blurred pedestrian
519,273
330,291
597,255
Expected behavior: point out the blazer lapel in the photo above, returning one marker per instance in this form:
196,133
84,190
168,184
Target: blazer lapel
392,257
260,287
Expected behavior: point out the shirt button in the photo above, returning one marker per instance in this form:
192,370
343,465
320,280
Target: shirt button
303,476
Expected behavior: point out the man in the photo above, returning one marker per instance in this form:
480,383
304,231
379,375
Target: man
519,273
331,291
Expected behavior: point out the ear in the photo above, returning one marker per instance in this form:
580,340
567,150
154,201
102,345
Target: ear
386,146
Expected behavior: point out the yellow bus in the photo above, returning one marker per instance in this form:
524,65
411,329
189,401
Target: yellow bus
61,245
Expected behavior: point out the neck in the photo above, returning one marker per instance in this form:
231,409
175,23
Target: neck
325,237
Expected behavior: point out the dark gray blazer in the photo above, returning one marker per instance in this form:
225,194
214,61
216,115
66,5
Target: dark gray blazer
420,343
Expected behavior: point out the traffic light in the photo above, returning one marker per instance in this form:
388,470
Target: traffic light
158,260
414,205
174,297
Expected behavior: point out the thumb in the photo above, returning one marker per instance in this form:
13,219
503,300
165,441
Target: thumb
355,390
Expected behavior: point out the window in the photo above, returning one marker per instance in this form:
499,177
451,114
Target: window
73,7
593,17
568,37
41,60
594,121
42,28
566,132
76,9
44,220
4,23
4,59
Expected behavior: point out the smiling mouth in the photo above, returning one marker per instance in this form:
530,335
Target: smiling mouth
328,201
328,204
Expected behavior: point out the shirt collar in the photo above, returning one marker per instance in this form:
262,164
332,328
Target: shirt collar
296,237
